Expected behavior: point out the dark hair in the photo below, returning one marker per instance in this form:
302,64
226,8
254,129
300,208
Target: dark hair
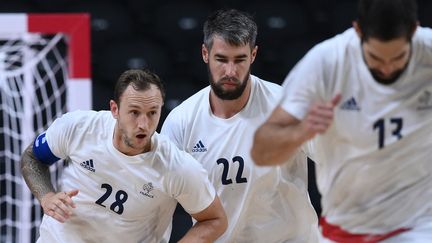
140,79
387,19
235,27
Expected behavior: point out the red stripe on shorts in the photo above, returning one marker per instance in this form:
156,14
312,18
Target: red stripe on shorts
337,234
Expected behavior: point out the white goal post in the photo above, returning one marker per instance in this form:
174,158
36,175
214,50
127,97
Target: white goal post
44,72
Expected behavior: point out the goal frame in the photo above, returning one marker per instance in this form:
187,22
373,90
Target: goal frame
76,28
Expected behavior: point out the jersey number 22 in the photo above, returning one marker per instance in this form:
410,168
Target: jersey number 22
239,177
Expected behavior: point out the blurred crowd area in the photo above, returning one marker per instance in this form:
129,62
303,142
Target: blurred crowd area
166,36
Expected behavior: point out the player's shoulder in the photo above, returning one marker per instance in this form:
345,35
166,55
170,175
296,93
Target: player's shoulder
170,155
261,83
423,33
193,103
338,43
265,89
423,38
82,119
85,116
196,98
73,117
329,54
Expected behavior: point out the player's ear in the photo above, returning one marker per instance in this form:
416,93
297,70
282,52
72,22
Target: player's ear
254,53
414,29
205,53
114,109
357,28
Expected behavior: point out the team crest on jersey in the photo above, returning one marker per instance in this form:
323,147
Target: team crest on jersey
425,101
199,147
147,188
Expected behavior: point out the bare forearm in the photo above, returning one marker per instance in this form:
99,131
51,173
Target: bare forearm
274,144
36,174
205,231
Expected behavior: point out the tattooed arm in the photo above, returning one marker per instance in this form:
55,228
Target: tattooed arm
37,176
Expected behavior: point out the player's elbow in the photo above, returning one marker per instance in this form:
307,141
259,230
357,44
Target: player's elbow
265,156
222,224
221,221
258,151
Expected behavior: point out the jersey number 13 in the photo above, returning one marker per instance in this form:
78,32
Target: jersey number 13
396,123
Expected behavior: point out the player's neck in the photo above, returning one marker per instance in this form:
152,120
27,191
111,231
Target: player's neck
228,108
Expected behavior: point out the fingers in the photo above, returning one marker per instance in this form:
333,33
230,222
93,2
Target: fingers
59,205
320,116
71,194
336,99
58,213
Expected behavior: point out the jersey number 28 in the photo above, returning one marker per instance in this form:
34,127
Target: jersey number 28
120,198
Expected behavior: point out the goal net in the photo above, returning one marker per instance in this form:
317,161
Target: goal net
44,72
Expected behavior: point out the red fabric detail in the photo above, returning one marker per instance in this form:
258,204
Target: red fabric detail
337,234
77,27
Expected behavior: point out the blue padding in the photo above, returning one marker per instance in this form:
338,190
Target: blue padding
42,151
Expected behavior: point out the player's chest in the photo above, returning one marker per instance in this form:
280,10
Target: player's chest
373,121
124,191
225,154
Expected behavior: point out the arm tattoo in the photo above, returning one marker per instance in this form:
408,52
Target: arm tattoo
36,174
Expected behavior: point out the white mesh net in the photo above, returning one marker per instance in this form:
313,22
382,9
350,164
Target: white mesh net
33,77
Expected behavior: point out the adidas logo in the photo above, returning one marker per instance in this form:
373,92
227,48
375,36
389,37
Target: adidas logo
199,147
350,104
88,164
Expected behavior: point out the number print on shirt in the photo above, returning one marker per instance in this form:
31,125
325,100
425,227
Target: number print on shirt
380,125
120,198
239,177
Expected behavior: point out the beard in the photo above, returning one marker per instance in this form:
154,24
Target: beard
377,74
224,94
386,81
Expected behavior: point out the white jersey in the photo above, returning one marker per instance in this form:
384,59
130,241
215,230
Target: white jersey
121,198
375,161
263,204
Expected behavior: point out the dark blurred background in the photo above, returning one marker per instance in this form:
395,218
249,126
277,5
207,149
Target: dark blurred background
166,37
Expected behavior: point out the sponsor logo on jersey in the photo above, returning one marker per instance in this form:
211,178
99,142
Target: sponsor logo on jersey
88,164
199,147
425,101
147,188
350,104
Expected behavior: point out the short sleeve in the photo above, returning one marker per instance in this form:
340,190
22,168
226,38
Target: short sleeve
60,132
172,128
190,185
304,84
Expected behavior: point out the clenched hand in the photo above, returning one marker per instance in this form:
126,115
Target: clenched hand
319,117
